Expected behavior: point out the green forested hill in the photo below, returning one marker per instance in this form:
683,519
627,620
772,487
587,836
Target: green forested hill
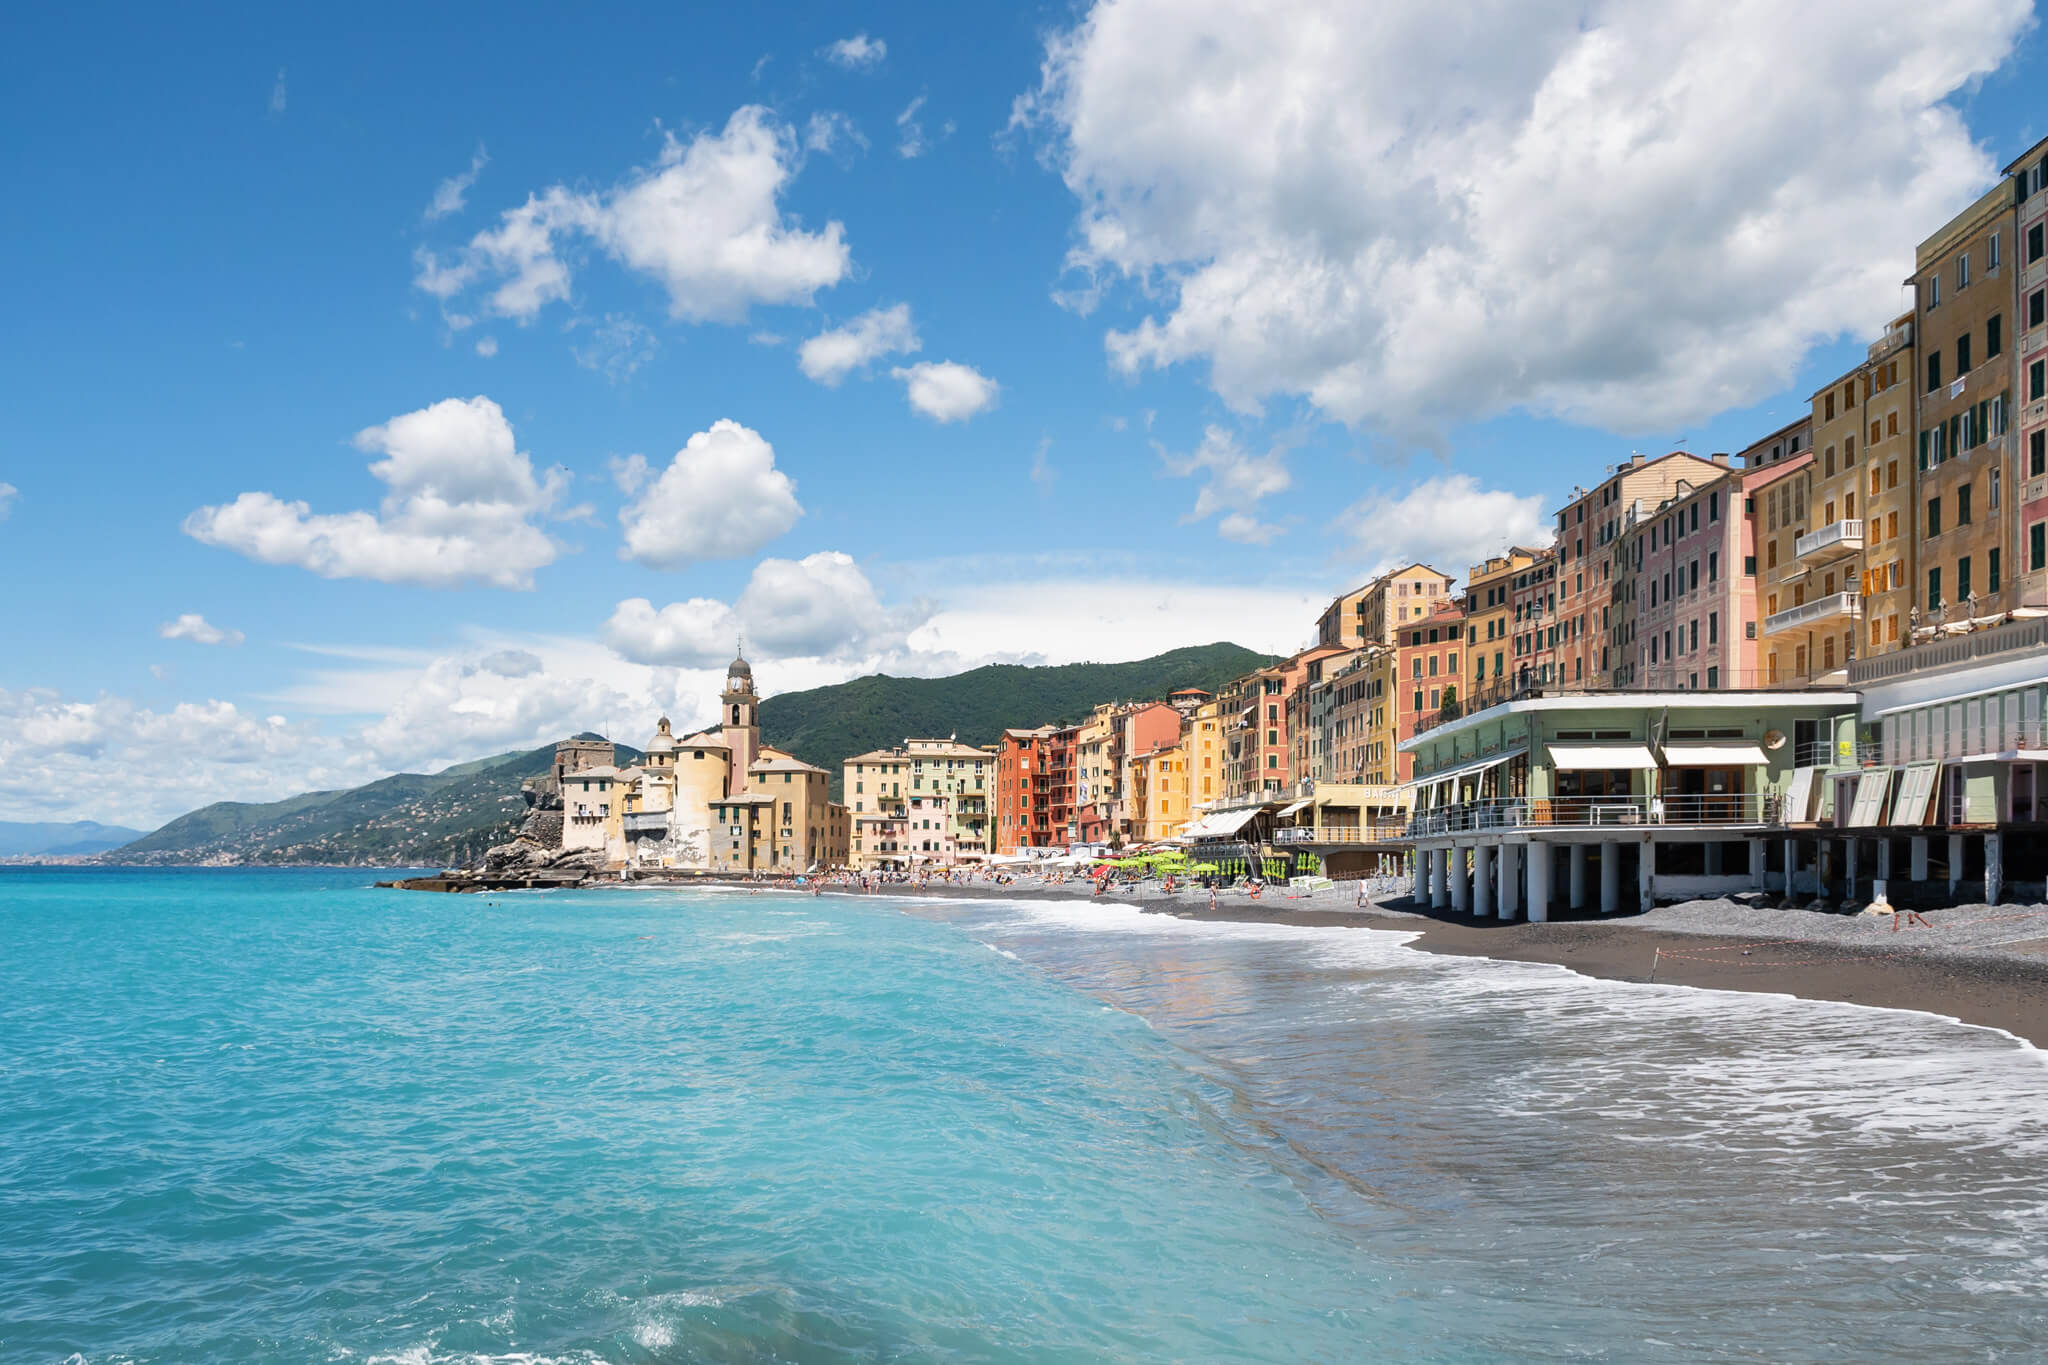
408,820
450,817
828,725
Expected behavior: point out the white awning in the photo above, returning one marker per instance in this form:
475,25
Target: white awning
1221,824
1713,756
1580,757
1289,810
1478,765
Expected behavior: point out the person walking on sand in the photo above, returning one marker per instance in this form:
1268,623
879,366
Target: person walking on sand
1212,898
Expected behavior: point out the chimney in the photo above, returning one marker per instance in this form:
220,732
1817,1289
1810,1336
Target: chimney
1720,457
1635,459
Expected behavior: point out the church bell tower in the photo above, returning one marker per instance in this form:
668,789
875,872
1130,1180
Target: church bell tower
738,705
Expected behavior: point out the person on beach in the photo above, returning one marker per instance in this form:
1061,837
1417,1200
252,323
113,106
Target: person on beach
1212,898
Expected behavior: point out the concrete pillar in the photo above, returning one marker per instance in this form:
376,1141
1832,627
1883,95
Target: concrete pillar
1510,880
1791,865
1539,881
1713,857
1610,878
1440,878
1918,869
1461,881
1482,881
1849,866
1646,875
1577,898
1884,858
1955,863
1994,868
1757,872
1824,864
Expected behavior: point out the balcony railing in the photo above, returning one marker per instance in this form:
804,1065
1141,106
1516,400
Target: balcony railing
1344,834
2025,635
1659,679
1842,604
1830,542
1594,812
1825,753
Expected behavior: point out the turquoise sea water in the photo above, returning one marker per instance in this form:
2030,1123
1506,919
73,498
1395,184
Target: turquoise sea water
283,1116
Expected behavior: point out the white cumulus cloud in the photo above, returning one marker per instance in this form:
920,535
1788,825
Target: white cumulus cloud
832,355
1237,481
200,631
720,497
461,507
8,493
947,392
1415,216
819,607
452,194
1449,523
704,221
858,53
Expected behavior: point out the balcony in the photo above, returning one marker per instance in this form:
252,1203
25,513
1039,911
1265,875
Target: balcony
1846,606
1592,812
1830,543
646,822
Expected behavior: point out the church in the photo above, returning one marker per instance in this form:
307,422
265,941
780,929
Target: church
720,800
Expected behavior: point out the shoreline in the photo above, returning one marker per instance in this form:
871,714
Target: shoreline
1999,984
2006,993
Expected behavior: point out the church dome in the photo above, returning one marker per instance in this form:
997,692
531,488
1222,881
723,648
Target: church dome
739,669
663,742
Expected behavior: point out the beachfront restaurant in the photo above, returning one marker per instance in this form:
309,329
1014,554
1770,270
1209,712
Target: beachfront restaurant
1565,800
1353,829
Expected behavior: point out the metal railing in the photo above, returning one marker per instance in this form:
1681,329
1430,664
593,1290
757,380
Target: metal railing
1592,812
2026,634
1828,753
1819,609
1340,834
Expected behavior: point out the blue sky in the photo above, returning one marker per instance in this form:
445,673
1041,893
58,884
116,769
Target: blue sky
1229,285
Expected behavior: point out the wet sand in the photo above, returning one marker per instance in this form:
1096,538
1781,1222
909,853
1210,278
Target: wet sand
2005,991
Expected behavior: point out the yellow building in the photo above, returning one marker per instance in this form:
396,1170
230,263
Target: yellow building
785,822
1159,793
1489,619
1204,746
1891,555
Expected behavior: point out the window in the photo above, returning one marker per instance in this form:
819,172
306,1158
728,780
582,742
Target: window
1992,498
1933,590
2037,455
2037,307
2034,245
1933,292
1749,566
1994,337
1934,516
1963,507
1713,507
2037,381
1714,566
1713,627
1933,370
1962,356
1891,473
1991,252
2037,547
1962,272
1991,570
1963,579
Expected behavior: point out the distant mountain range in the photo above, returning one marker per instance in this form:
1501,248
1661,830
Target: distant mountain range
79,838
449,818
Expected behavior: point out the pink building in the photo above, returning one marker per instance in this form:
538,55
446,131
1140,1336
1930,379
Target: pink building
1689,602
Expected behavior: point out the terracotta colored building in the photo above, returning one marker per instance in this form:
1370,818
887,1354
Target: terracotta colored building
1428,662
